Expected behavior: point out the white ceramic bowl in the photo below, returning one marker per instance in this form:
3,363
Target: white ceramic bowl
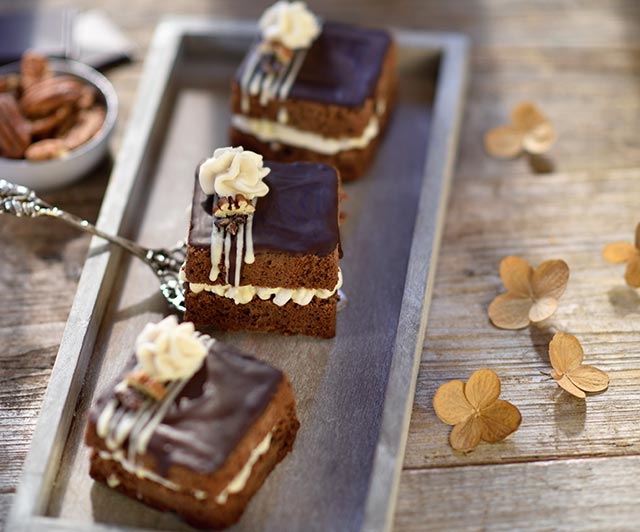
52,173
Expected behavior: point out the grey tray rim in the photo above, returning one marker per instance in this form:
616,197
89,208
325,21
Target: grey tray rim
41,465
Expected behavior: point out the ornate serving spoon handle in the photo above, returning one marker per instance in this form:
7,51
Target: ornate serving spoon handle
21,201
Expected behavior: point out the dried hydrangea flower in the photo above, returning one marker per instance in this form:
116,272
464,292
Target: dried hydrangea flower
619,252
529,131
566,355
475,410
532,295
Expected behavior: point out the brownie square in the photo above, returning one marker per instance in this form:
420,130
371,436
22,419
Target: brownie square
336,109
220,436
291,287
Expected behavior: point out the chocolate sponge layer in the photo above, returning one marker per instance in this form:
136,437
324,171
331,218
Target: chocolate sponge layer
318,318
270,270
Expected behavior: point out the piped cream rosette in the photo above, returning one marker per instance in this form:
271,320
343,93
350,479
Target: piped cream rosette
169,350
232,171
290,24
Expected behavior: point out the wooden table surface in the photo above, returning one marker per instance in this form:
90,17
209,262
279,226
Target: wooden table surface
573,464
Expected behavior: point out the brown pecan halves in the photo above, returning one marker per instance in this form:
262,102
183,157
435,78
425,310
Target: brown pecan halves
47,95
15,132
33,68
88,124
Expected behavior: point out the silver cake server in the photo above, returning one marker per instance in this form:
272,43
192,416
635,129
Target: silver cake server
165,263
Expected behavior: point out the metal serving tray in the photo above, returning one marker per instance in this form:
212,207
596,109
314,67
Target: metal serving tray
355,392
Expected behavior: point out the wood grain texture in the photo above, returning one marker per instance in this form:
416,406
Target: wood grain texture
590,495
580,62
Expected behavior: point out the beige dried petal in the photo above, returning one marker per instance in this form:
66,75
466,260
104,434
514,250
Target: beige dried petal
632,274
516,275
526,116
475,410
508,311
539,139
499,420
565,353
482,388
450,403
542,309
504,142
637,239
589,378
466,435
550,279
568,386
619,252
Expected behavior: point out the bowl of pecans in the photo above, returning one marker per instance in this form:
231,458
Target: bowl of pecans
56,118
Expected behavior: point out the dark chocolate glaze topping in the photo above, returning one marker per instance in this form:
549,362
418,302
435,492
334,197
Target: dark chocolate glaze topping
299,215
342,65
212,413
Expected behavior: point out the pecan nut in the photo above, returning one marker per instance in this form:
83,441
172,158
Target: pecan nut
231,224
15,133
130,397
65,126
9,83
231,206
88,124
46,149
87,97
43,126
142,382
33,68
47,95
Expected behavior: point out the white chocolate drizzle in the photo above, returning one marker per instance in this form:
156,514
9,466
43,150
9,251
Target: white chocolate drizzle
283,115
249,257
239,250
254,82
221,243
296,65
217,236
244,102
250,69
227,255
147,431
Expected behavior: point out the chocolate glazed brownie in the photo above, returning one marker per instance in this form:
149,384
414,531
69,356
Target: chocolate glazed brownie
279,271
327,100
200,445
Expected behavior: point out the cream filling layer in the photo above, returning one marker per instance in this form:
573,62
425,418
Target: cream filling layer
238,482
144,473
236,485
270,131
281,296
